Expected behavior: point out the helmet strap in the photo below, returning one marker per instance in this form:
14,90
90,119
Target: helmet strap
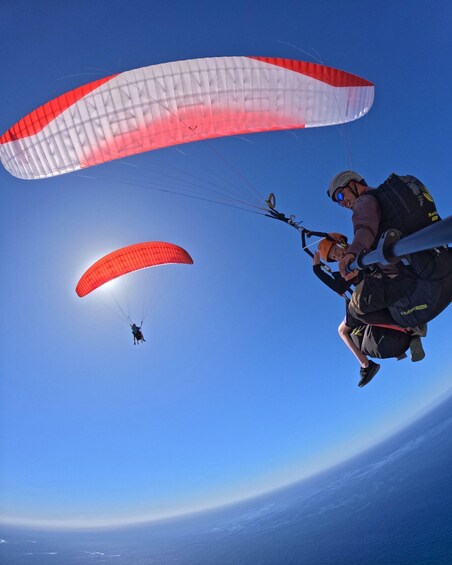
353,189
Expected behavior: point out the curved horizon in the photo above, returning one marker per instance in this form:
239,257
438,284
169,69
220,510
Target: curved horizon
101,524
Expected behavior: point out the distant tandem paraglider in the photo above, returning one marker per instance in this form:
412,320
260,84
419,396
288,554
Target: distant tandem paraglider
138,336
179,102
129,259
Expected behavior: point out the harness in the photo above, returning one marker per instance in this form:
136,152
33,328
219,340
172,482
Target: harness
405,205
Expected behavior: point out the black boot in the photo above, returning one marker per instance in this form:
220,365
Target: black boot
416,349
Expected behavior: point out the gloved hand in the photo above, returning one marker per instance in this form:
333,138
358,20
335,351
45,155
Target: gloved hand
343,266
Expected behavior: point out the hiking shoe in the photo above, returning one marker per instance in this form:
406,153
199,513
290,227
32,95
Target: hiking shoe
368,373
417,352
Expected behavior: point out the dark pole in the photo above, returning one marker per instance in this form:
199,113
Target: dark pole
391,248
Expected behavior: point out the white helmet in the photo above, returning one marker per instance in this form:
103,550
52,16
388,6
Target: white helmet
342,179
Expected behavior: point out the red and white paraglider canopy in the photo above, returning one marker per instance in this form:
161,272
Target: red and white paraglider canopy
172,103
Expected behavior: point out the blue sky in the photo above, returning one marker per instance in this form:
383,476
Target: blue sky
243,384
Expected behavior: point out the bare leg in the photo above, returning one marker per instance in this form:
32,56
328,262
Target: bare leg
344,332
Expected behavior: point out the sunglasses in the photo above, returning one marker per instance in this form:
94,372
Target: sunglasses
340,194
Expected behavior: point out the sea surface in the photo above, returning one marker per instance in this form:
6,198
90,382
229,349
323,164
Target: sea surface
390,505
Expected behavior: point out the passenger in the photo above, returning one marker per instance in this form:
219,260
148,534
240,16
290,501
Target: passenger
363,340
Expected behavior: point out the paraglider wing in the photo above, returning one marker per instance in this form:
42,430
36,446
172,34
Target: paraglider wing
179,102
128,259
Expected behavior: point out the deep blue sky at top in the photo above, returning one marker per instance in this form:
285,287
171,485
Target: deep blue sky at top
243,384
